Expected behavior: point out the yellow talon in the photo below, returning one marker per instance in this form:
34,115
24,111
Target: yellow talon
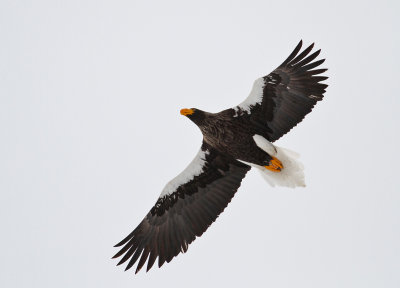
274,165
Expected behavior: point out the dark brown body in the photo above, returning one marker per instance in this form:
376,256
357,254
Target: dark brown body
230,135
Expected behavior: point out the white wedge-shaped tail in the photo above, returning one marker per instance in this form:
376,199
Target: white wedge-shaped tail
292,174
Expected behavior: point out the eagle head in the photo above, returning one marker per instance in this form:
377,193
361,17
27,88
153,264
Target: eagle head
194,114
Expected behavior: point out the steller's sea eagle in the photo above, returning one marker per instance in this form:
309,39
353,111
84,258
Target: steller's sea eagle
233,140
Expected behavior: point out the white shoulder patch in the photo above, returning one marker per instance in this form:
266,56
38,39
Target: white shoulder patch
195,168
254,98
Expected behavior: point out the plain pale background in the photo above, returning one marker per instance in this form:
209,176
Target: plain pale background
90,93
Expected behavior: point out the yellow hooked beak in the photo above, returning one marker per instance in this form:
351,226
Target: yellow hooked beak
187,112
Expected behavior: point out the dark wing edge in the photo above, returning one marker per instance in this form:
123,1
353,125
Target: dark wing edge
286,95
179,217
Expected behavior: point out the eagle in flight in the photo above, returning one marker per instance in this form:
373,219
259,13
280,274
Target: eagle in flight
234,140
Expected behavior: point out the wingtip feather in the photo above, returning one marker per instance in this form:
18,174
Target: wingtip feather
293,54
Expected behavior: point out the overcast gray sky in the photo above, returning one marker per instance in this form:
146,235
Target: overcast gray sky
90,93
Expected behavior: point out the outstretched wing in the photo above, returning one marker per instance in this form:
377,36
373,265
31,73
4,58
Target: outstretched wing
187,206
280,100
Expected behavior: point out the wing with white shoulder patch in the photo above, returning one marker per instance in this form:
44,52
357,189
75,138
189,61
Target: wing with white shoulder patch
281,99
187,206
